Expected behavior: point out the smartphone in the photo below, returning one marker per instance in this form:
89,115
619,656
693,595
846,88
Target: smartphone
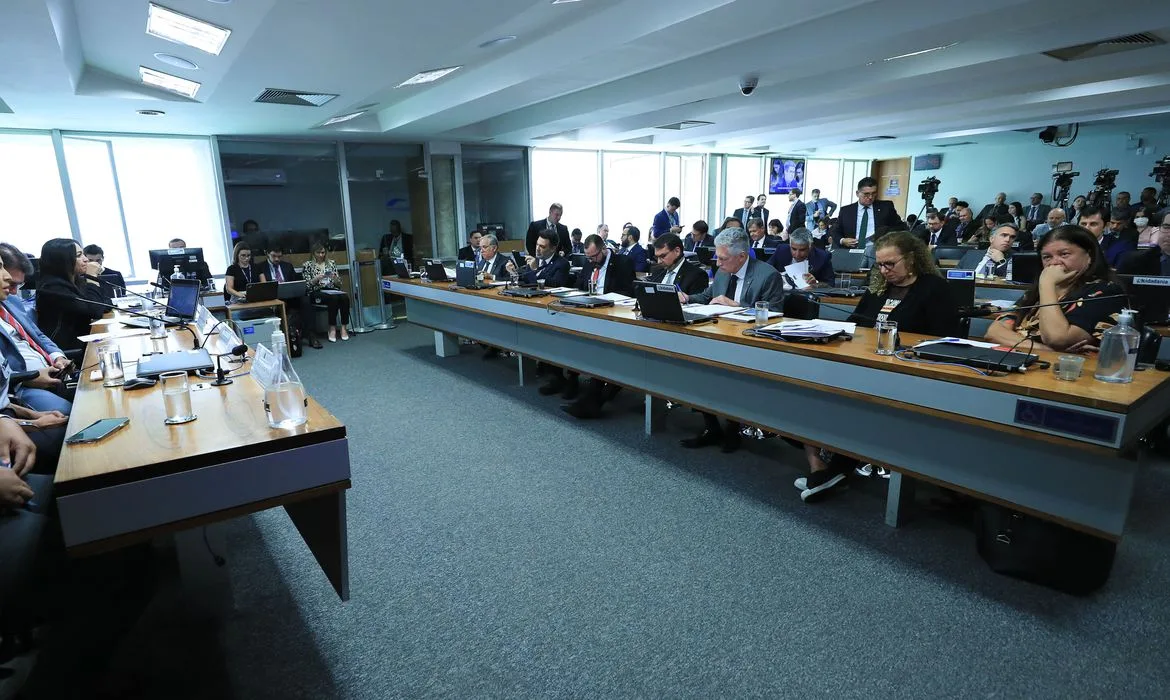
518,258
97,430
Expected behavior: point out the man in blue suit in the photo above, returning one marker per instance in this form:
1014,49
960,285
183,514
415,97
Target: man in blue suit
799,249
545,265
634,250
666,221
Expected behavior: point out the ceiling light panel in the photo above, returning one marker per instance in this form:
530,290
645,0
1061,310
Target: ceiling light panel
166,81
181,29
344,118
429,76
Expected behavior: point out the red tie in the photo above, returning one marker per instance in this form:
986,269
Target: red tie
10,320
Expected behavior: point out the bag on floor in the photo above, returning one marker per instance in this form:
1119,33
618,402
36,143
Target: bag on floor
1043,552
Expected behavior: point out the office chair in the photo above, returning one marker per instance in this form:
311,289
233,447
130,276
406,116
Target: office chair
800,307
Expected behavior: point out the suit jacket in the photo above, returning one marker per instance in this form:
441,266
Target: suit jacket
972,258
64,310
1042,211
884,216
534,230
12,355
111,279
637,254
1147,261
286,270
497,268
760,213
662,223
962,233
743,215
555,273
689,244
761,283
578,248
466,253
820,262
993,209
824,206
1115,247
619,275
769,242
796,216
691,278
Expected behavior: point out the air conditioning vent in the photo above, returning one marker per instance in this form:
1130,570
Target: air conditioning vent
873,138
951,145
1119,44
684,125
274,96
639,141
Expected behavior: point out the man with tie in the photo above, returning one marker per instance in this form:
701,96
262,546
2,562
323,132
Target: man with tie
949,212
666,221
277,270
632,249
698,237
745,212
552,223
965,228
996,209
798,213
858,223
471,250
760,240
1037,211
940,231
546,265
799,249
490,261
25,347
740,281
994,261
819,208
578,247
760,211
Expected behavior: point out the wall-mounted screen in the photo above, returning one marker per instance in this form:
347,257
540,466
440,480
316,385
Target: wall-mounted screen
785,174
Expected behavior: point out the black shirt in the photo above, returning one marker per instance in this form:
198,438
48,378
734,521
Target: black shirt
926,308
1080,309
241,279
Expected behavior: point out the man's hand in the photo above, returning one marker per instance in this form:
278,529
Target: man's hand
724,300
43,420
45,379
510,267
14,493
683,298
810,280
63,363
676,229
16,449
849,242
532,262
995,254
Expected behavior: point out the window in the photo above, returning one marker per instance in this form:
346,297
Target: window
633,191
686,179
745,176
851,172
32,204
823,175
569,178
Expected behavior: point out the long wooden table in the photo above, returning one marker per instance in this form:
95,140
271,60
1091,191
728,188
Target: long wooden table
151,479
1061,450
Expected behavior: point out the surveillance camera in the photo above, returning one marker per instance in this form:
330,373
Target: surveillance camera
747,84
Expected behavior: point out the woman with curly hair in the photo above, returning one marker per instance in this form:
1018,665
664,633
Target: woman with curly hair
905,287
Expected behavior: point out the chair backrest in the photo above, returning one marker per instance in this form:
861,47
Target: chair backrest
800,307
949,252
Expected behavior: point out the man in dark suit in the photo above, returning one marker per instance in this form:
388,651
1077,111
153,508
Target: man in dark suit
741,281
966,226
666,221
996,209
745,212
471,250
760,211
577,246
112,280
490,260
552,223
939,231
1037,211
948,212
994,261
698,237
798,213
275,269
859,222
672,268
758,233
800,248
545,265
632,249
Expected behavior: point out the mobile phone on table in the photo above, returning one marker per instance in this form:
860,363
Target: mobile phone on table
97,430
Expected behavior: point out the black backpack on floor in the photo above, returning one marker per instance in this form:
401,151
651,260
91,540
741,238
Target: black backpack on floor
1043,552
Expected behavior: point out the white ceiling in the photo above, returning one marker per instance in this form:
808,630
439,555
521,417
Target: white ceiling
594,71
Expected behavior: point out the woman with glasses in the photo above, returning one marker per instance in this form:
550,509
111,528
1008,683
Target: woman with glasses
1069,318
239,275
904,287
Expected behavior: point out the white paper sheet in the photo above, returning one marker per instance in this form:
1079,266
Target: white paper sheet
957,341
113,334
797,271
812,329
749,316
712,309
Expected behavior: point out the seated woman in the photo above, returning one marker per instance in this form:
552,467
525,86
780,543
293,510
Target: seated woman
1147,229
983,234
66,300
322,281
239,275
776,229
905,287
1074,273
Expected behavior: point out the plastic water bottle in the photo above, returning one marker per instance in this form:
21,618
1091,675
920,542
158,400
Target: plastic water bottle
1119,350
284,400
1009,268
177,274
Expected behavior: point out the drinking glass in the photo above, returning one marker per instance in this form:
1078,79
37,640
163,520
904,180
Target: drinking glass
158,329
592,287
177,398
887,337
110,359
1069,367
761,314
540,285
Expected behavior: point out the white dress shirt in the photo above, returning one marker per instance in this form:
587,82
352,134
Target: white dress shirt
869,224
672,274
741,273
601,273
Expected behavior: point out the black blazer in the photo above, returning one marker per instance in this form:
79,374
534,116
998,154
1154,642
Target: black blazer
796,216
946,236
691,278
497,268
110,278
884,216
555,273
536,227
689,244
286,270
928,308
466,253
769,242
64,311
619,276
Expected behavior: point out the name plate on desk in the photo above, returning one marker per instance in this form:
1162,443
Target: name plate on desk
1067,420
1152,281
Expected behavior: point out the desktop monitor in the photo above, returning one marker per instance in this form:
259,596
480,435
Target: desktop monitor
1149,296
1026,267
785,174
188,260
961,284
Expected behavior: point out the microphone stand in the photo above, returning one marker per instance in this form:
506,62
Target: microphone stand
99,280
185,325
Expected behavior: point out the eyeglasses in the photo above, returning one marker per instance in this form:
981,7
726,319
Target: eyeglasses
889,265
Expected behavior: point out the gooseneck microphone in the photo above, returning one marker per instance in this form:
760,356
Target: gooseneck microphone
981,314
221,378
118,286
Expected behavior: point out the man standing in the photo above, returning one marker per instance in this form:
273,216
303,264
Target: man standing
1122,207
798,212
759,236
1055,219
745,212
819,208
632,249
666,221
740,281
546,265
857,223
699,237
471,250
760,211
1037,212
992,262
552,223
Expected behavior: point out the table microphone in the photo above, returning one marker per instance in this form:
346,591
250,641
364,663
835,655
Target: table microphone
981,314
221,378
118,286
184,325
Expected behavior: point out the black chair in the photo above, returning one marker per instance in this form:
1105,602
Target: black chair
800,307
950,252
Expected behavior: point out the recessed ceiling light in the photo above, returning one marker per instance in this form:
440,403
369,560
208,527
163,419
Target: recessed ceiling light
176,61
429,76
166,81
344,118
919,53
221,2
498,41
181,29
151,112
564,2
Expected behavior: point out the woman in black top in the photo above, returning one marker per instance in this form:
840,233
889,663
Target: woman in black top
905,287
65,299
239,275
1075,271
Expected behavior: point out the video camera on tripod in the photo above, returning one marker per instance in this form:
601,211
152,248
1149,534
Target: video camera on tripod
1102,194
928,188
1160,173
1062,179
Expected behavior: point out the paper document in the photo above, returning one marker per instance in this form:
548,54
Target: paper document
749,316
817,328
709,310
614,297
1002,303
496,284
797,271
450,272
957,341
113,334
559,290
574,293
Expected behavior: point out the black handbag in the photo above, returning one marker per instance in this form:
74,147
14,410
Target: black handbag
1043,552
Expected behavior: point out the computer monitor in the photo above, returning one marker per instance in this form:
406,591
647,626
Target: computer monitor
189,261
961,284
184,299
1149,296
1026,267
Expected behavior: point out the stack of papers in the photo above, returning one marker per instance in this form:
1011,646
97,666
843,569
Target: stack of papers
617,299
956,341
818,328
796,272
749,315
709,310
560,290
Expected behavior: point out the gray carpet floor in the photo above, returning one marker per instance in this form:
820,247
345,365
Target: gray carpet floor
500,549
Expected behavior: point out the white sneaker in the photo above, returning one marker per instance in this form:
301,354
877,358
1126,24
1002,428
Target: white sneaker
865,470
883,472
801,483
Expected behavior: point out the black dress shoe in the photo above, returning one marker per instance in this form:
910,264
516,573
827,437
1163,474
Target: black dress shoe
491,354
703,439
731,441
315,344
555,386
583,409
571,389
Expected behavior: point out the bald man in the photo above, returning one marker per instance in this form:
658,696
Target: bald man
1055,220
996,209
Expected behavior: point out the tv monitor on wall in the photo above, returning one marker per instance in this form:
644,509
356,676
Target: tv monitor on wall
785,174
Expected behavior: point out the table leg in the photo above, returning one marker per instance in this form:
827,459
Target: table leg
520,367
446,345
322,524
899,499
655,414
206,584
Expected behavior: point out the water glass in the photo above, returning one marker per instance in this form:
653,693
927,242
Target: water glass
761,314
592,288
1069,367
540,285
887,337
110,360
158,329
177,398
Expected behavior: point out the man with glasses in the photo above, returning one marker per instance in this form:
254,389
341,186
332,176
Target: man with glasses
699,237
858,223
994,261
545,266
1153,262
745,212
740,281
277,270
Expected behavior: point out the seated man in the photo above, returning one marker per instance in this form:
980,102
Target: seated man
1054,219
799,249
1115,240
741,281
471,250
577,247
992,262
632,249
939,231
490,261
275,269
24,346
698,237
111,279
545,265
758,234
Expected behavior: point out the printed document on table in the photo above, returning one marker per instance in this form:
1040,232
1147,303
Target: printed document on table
709,310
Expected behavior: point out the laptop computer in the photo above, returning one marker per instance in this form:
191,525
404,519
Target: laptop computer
290,290
845,260
524,292
1025,267
435,271
660,302
181,305
262,291
402,270
705,254
586,302
181,361
1150,296
980,358
465,276
961,284
578,260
